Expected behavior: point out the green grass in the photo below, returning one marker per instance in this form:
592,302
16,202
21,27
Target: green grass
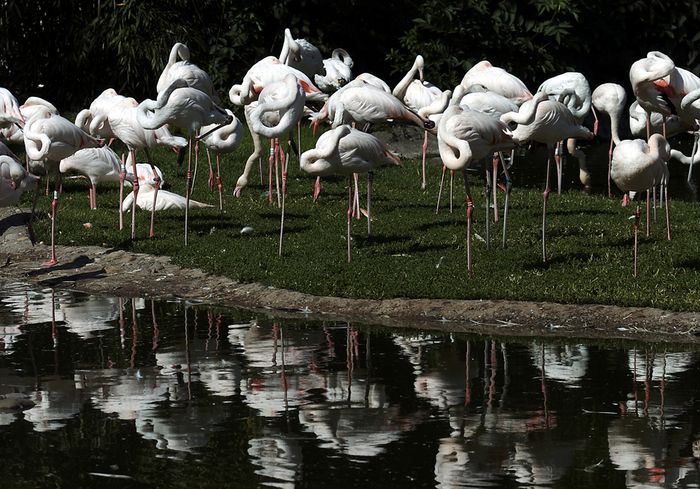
412,251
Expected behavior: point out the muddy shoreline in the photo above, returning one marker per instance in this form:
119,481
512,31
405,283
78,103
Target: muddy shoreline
117,272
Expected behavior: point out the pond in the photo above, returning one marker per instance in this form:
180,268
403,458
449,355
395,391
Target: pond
131,393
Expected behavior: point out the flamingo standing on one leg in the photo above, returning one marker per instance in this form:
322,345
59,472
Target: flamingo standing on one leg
417,93
221,140
185,107
578,101
466,136
545,121
179,66
610,98
122,119
638,166
49,137
347,151
277,111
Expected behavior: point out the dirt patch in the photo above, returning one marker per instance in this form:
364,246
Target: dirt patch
117,272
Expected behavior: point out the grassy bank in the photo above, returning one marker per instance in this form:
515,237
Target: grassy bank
412,252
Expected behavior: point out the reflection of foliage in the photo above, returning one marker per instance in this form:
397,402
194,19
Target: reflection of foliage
69,50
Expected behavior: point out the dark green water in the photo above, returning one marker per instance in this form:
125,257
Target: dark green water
131,393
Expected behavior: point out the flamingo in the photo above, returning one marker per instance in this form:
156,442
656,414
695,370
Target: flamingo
278,109
269,70
180,67
221,140
466,136
301,55
9,105
578,101
163,199
37,104
417,94
123,121
690,105
99,110
185,107
638,122
638,166
610,98
97,164
365,103
14,181
494,105
370,79
338,71
497,80
545,121
346,151
49,137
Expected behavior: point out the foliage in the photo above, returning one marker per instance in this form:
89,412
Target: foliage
524,38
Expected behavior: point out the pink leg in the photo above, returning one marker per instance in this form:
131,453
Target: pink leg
285,163
210,180
54,211
425,152
93,196
470,209
277,172
648,217
452,176
122,176
664,188
350,210
135,193
270,163
636,239
219,184
495,162
610,153
188,188
442,181
356,206
545,197
317,188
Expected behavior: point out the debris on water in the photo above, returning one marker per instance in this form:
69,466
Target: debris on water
247,230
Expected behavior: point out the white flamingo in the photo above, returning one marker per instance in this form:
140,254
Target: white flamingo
638,166
184,107
347,151
221,140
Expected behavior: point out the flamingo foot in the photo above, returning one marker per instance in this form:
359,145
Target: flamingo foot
50,262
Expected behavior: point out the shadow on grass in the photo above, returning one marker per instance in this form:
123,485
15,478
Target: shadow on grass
561,259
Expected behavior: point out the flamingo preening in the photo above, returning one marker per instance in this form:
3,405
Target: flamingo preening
347,151
638,166
185,107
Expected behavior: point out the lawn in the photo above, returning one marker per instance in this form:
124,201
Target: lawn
412,252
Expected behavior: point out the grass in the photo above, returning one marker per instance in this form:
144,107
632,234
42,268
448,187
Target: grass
412,252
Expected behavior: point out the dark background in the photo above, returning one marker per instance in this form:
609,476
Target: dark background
69,51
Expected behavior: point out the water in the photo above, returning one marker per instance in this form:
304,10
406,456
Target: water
131,393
